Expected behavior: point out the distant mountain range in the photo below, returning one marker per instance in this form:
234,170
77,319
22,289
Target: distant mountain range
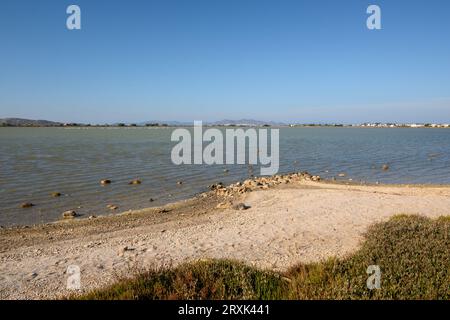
18,122
242,122
245,122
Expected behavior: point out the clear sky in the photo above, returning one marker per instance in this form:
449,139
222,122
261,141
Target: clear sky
302,61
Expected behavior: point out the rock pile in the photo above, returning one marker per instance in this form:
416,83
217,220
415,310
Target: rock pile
260,183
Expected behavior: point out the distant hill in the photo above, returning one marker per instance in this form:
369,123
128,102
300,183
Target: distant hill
246,122
169,122
18,122
242,122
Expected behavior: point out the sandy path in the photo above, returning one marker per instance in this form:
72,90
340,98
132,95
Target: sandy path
292,223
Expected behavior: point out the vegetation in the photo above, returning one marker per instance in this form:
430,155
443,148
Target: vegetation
412,252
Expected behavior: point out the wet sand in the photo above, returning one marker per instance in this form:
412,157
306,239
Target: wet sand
292,222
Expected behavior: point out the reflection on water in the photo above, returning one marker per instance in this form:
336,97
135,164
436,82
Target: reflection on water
34,162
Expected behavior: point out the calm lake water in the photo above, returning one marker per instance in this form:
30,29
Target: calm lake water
34,162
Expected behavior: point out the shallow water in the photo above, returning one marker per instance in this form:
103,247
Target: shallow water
34,162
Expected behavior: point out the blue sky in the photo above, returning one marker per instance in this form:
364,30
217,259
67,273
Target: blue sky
302,61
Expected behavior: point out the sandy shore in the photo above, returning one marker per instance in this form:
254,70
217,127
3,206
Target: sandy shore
299,221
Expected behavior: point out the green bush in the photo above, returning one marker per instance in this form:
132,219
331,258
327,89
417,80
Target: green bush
413,254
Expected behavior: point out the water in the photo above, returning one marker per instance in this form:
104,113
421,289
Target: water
34,162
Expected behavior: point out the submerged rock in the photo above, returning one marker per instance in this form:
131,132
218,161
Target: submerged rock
27,205
69,214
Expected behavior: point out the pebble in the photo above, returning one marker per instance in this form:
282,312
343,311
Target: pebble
241,206
69,214
32,275
122,251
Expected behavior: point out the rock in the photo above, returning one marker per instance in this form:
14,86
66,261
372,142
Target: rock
69,214
241,206
105,181
32,275
179,182
151,200
315,178
342,175
122,251
163,210
56,194
92,217
27,205
385,167
216,186
135,181
112,207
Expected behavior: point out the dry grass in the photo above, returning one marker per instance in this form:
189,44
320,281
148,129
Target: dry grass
412,252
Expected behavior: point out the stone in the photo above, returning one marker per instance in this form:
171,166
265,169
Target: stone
151,200
112,207
135,181
241,206
32,275
105,181
56,194
179,182
69,214
122,251
27,205
341,175
385,167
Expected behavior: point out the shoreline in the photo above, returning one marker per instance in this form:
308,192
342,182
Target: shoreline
341,181
293,220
